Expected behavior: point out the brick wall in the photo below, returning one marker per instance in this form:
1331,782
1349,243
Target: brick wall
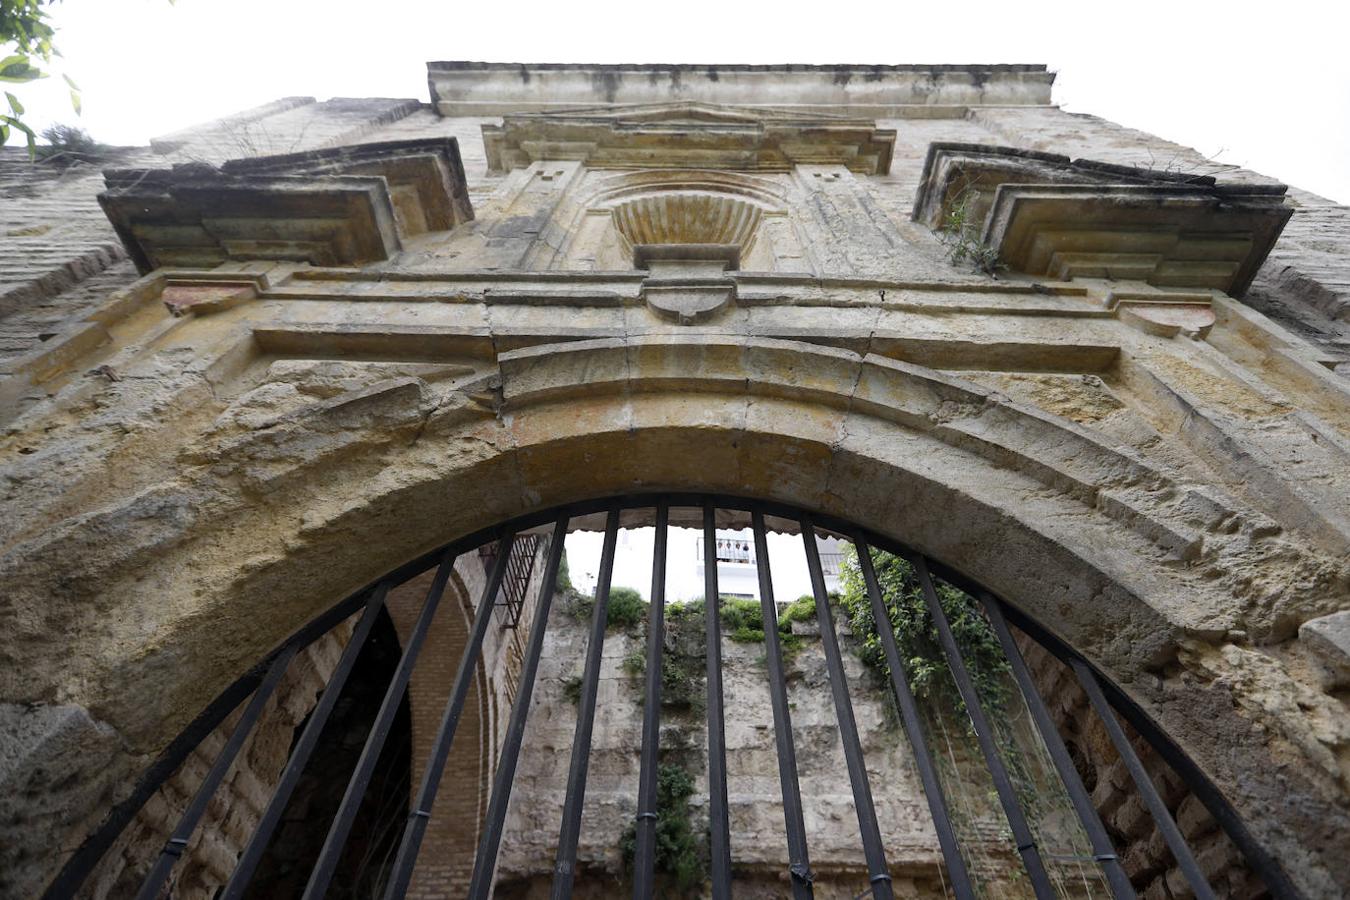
445,864
1146,858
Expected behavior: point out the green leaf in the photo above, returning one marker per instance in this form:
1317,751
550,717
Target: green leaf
20,73
19,125
75,102
70,81
4,135
14,103
11,122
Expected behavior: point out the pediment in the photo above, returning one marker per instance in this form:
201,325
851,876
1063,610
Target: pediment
692,112
688,134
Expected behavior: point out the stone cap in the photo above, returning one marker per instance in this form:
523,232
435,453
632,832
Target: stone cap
888,91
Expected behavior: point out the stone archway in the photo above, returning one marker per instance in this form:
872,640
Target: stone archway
257,535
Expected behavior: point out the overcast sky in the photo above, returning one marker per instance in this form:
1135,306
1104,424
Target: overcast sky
1262,85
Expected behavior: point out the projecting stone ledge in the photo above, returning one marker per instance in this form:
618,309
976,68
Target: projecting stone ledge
331,207
1051,216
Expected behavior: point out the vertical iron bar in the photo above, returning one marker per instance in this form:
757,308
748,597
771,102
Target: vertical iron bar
1102,849
909,715
192,816
644,857
799,863
719,822
1161,816
295,766
341,826
485,863
564,866
984,734
879,874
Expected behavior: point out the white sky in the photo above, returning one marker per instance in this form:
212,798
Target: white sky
1262,85
684,577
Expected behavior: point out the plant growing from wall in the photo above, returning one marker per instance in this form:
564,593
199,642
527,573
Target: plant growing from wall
679,853
625,609
67,145
743,621
917,636
803,609
682,660
563,585
960,234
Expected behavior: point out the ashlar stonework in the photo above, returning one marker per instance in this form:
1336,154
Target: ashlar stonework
315,340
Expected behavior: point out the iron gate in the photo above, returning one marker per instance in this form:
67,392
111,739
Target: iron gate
511,544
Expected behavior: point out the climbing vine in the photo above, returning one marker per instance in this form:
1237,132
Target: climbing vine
925,663
681,854
916,635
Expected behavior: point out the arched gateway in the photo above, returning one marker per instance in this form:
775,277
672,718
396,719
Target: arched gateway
638,308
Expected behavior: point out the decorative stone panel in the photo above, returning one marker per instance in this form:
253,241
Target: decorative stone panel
689,135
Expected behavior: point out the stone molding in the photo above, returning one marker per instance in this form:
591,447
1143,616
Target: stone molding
425,176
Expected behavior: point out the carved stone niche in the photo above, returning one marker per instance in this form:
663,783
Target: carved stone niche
336,206
689,135
1058,218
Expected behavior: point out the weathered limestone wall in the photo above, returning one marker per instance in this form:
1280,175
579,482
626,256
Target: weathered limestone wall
182,492
758,842
58,254
757,837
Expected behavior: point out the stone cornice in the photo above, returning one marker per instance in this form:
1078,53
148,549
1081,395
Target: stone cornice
493,89
1052,217
339,206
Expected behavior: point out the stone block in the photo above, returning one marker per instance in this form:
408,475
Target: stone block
1328,638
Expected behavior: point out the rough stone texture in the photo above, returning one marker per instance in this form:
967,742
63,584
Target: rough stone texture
231,817
1305,285
1328,638
58,254
48,774
180,493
